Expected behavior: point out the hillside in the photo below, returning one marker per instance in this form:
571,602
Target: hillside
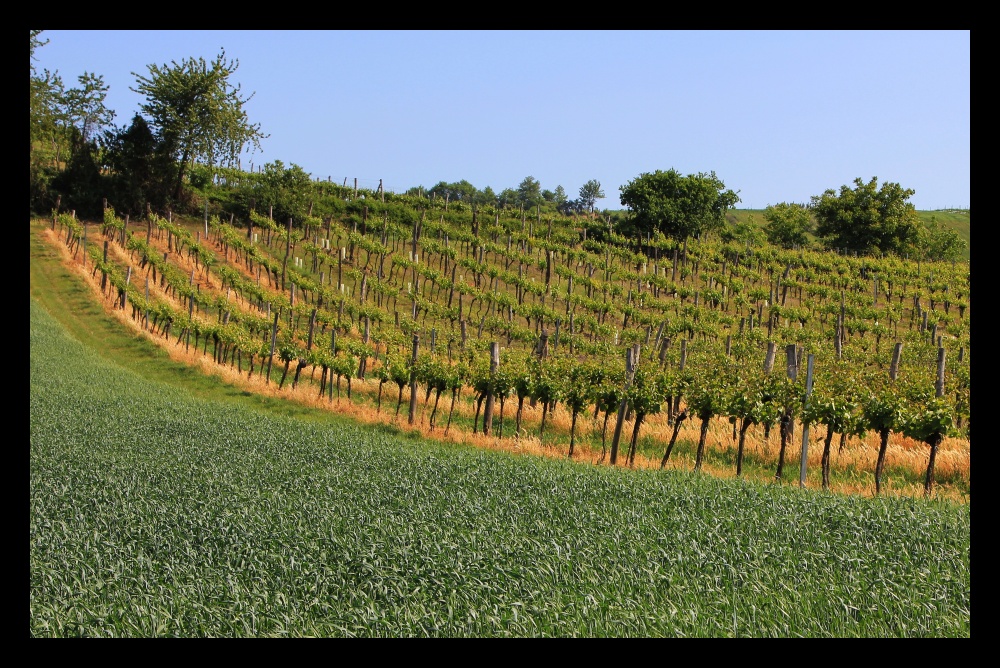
350,286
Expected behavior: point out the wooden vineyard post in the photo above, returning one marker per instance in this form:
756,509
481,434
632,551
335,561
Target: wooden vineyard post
894,366
333,355
631,362
805,427
128,279
769,358
413,380
288,250
363,363
488,410
791,359
104,274
939,384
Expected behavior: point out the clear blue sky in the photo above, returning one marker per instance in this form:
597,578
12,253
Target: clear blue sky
779,116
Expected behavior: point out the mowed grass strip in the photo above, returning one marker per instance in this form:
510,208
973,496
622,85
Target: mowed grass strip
157,513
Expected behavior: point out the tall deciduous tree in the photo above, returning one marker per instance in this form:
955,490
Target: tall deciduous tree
590,192
85,107
197,111
867,218
678,206
787,225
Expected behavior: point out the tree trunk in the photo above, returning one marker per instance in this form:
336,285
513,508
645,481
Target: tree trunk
437,398
826,457
454,397
880,462
635,438
783,431
929,480
283,374
702,438
739,450
678,419
479,405
572,432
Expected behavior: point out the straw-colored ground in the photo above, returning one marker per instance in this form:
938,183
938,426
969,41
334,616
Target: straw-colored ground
852,466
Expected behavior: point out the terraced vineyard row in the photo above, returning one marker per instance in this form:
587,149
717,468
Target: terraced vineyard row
654,334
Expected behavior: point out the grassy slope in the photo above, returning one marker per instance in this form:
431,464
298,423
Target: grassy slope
155,511
206,379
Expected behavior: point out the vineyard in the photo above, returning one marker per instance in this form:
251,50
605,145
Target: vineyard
553,337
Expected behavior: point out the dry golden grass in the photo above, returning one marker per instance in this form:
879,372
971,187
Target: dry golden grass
851,467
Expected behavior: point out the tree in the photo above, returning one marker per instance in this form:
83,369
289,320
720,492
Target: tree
46,121
572,207
867,218
937,242
787,225
139,170
46,90
559,196
85,107
590,192
507,197
460,190
282,191
529,193
676,205
197,112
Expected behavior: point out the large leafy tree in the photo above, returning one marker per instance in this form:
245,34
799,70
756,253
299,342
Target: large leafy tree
787,225
678,206
867,218
590,192
198,112
85,107
139,169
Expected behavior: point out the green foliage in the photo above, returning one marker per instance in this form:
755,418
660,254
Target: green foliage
930,421
867,218
678,206
529,192
940,243
788,225
165,515
85,108
140,170
279,191
590,192
197,112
